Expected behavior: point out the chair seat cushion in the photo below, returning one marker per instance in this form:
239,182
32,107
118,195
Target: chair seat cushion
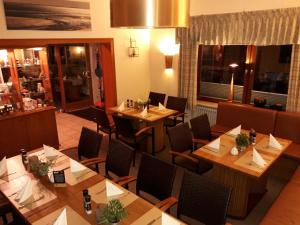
200,168
293,151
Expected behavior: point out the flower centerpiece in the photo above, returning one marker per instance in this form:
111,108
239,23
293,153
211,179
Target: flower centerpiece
242,141
112,213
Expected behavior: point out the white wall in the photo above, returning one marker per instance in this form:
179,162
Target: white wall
169,84
133,79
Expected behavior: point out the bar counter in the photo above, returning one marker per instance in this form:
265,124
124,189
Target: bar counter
28,130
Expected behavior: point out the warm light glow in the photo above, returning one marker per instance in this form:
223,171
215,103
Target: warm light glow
3,55
233,65
149,16
168,46
37,49
79,50
169,72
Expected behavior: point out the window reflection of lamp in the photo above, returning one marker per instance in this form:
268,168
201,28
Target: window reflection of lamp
231,91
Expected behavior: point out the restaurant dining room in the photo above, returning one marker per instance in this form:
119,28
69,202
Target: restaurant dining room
149,112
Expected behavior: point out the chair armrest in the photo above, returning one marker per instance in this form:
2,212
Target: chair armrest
166,204
143,130
124,180
92,161
200,141
184,156
68,149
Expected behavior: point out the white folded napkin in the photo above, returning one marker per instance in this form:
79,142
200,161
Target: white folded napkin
3,166
236,131
76,166
25,193
49,151
62,218
112,190
215,144
258,159
121,107
144,113
161,106
168,220
274,143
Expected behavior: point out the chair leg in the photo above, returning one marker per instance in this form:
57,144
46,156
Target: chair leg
133,160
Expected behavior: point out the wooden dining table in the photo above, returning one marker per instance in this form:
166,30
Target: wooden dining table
154,118
49,200
247,180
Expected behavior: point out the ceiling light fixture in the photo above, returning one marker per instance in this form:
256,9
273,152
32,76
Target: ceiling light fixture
149,13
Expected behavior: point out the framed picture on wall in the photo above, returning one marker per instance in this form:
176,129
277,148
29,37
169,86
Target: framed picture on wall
64,15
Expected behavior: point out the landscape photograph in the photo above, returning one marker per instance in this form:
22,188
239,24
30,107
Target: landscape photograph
65,15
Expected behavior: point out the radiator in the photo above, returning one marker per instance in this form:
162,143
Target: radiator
211,113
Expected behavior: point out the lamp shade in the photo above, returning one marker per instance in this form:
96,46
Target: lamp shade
149,13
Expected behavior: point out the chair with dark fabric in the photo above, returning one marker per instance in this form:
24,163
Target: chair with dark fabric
182,143
88,147
156,98
118,161
103,123
5,208
126,132
203,200
156,177
201,129
178,104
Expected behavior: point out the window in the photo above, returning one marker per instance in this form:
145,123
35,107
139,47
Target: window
261,72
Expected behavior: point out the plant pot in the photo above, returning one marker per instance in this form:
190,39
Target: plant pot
241,148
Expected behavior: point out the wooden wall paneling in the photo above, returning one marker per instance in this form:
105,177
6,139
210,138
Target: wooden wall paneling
42,133
109,75
60,76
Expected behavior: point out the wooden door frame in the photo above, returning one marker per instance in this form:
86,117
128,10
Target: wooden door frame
27,43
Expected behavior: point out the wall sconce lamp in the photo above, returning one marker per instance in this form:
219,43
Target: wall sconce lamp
231,87
169,49
133,50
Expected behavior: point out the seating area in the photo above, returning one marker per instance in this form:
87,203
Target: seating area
150,112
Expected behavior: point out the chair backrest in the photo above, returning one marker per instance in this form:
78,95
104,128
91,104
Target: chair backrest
176,103
155,177
89,143
203,199
200,127
124,126
156,98
180,138
118,158
101,118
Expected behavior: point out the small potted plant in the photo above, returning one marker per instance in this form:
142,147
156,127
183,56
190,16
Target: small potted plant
242,141
38,167
112,213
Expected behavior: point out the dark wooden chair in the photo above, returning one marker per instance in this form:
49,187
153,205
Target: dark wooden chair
88,146
201,129
156,98
156,177
178,104
103,123
126,132
118,162
5,209
202,199
182,145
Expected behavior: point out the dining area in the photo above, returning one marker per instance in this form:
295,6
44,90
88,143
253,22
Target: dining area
148,163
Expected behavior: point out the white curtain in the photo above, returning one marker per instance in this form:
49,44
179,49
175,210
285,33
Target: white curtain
267,27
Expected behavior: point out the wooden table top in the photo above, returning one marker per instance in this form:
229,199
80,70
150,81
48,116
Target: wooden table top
154,114
51,199
243,161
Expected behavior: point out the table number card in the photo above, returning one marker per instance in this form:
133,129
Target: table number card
59,177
